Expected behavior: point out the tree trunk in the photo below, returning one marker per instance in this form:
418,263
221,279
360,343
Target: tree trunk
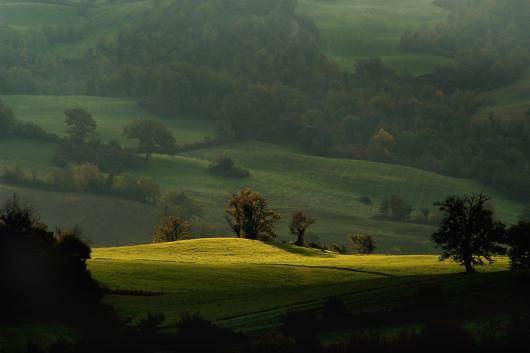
300,240
469,266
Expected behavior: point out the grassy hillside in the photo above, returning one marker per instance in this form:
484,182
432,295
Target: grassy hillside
223,279
111,115
352,29
26,16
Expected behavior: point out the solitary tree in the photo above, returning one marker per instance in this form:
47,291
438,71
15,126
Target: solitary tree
468,233
518,239
172,229
362,244
298,226
152,136
81,125
248,216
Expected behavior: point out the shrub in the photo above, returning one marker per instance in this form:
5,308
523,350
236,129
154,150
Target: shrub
518,239
137,188
225,166
33,131
362,244
395,208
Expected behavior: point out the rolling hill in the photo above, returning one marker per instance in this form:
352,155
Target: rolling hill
329,189
247,285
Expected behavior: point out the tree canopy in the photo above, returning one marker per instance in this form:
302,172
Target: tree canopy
468,233
152,136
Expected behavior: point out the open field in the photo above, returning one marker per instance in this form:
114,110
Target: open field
352,29
111,115
329,189
222,279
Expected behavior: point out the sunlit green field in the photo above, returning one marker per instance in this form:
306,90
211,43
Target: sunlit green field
248,285
352,29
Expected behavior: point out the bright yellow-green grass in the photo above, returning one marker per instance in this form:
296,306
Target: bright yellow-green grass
111,115
351,29
248,285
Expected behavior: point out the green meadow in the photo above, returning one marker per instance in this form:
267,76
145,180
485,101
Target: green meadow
222,278
327,188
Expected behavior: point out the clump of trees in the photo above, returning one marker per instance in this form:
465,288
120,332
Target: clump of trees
518,241
87,177
395,208
42,274
172,229
10,126
225,166
298,226
249,217
362,244
152,137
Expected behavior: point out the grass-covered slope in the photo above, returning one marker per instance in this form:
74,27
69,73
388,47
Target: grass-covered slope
326,188
248,285
352,29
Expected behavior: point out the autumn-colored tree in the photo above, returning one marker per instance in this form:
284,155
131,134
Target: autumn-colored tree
248,216
298,226
172,229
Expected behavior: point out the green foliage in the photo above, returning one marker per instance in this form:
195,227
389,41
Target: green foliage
249,217
362,244
518,240
395,208
225,166
81,125
178,203
468,232
137,188
172,229
152,136
7,120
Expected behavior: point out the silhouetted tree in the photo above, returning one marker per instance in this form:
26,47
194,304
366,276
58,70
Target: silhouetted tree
172,229
249,217
81,125
152,136
362,244
468,232
298,226
518,239
42,275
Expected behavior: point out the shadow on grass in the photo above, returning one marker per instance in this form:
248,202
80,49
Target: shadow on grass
303,251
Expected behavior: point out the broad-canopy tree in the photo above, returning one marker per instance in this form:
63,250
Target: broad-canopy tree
81,125
468,233
249,217
152,136
298,226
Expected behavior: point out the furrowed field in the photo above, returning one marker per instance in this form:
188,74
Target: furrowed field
248,285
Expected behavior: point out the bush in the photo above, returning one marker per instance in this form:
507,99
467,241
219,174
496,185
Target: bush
33,131
362,244
225,166
140,189
172,229
519,242
395,208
